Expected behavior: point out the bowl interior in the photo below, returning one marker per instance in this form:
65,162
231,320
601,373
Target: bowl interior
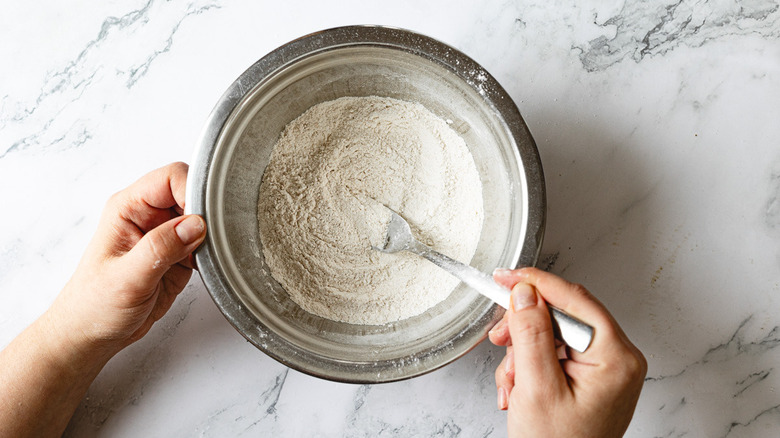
260,308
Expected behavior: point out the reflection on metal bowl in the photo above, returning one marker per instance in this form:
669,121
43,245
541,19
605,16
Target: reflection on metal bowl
236,145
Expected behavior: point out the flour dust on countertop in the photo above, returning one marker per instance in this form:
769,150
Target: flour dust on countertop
320,208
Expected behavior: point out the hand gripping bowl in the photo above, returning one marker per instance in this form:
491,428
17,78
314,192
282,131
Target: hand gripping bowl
236,144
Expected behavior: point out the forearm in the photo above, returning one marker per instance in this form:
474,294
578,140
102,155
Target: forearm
44,375
128,278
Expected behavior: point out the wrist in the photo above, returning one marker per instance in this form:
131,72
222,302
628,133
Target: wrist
69,346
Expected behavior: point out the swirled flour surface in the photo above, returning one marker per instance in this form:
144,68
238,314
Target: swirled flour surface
319,208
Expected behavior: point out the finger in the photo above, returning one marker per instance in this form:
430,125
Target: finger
509,364
188,262
501,377
578,302
535,359
503,398
192,262
506,277
163,187
155,198
562,351
504,385
162,248
172,284
499,334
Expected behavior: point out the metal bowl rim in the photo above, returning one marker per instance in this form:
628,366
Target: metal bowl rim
393,38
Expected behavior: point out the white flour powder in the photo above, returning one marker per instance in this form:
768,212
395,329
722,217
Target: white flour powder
319,208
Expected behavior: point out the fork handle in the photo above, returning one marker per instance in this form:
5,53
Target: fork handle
575,333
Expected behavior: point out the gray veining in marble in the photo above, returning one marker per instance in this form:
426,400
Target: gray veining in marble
96,70
643,29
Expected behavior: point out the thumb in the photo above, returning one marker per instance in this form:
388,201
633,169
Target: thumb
536,362
163,247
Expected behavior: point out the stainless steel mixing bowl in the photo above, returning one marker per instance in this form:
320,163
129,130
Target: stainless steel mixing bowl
235,147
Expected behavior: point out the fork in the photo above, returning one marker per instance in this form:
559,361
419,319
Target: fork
573,332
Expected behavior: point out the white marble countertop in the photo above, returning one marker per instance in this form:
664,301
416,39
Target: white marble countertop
658,129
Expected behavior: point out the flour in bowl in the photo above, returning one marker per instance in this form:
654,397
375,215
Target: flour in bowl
319,208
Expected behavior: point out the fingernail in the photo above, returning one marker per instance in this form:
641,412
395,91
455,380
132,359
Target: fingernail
502,404
523,295
496,327
509,364
189,229
501,272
